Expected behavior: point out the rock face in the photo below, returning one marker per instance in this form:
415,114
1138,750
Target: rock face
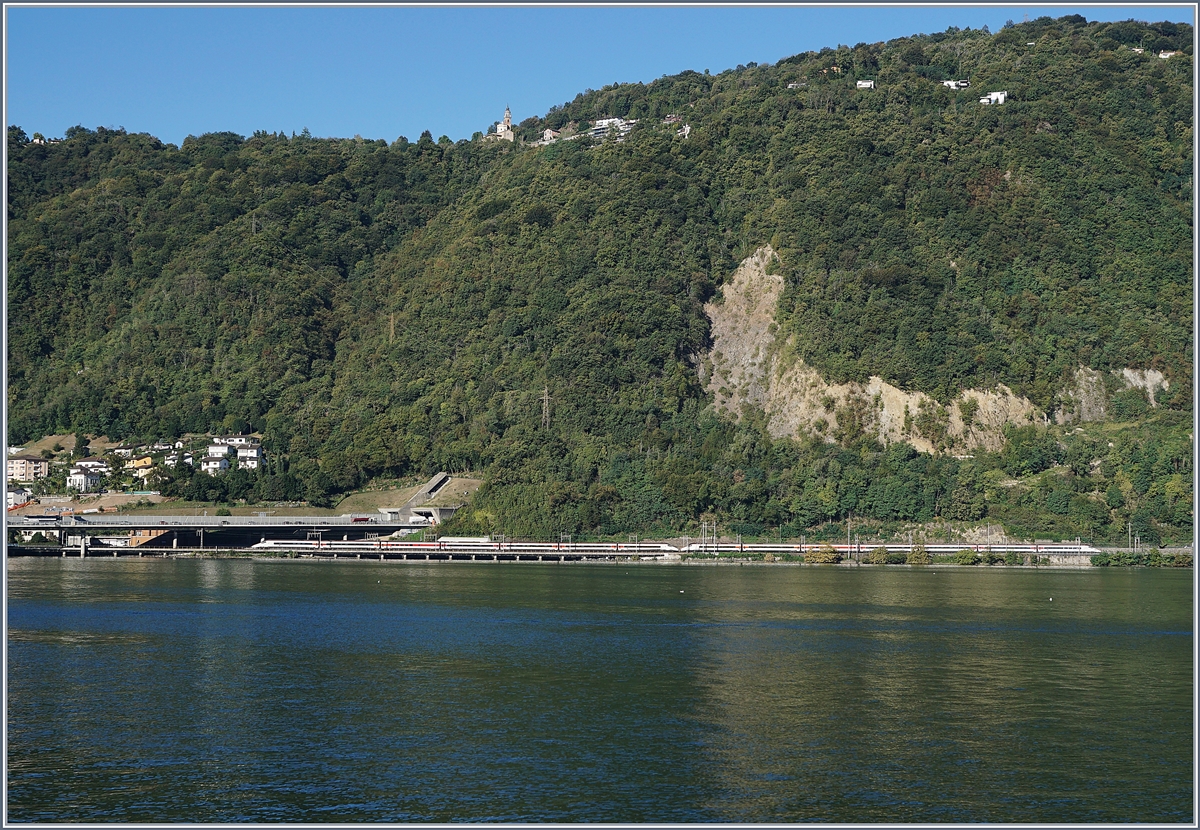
736,371
1086,399
751,365
1148,380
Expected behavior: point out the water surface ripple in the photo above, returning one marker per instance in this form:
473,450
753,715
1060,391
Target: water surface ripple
225,690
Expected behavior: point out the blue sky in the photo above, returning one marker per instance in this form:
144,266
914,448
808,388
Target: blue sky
382,72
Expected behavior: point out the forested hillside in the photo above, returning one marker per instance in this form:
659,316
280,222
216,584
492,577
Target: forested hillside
534,313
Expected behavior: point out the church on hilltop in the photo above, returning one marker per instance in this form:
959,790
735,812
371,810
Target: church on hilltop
504,131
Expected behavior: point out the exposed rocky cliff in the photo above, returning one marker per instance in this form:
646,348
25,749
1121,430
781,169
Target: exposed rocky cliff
751,364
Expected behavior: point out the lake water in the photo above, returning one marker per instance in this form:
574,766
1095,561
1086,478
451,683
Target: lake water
225,690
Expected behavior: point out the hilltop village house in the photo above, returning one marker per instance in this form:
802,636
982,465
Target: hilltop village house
964,83
604,126
601,129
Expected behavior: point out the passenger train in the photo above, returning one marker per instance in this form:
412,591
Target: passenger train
452,545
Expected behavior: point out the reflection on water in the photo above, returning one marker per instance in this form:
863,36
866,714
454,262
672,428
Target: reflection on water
923,694
78,638
144,690
218,574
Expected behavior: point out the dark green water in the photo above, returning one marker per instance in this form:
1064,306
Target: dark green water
231,690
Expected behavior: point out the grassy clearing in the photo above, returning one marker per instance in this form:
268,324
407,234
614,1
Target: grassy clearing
370,501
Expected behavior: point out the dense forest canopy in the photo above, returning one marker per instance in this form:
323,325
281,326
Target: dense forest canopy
534,314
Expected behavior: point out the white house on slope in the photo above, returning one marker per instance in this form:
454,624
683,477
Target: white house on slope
83,479
249,458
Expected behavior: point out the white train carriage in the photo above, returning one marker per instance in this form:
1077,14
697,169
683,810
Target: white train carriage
864,547
656,550
463,545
